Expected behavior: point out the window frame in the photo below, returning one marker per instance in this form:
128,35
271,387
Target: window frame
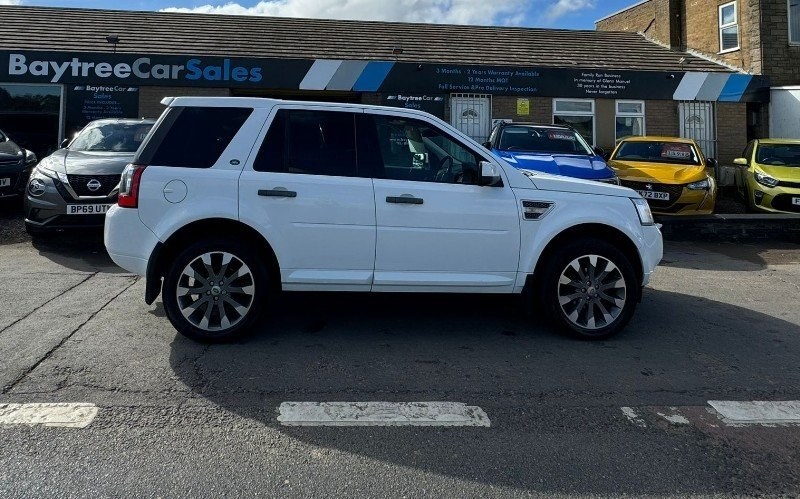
621,114
794,43
556,100
733,24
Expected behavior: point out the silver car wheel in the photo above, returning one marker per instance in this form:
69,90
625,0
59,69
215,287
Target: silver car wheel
592,292
215,291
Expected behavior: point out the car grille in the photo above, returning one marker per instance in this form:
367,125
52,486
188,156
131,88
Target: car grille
783,202
674,191
13,162
791,185
80,183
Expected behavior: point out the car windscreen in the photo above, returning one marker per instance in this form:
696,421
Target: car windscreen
681,153
542,140
779,155
111,137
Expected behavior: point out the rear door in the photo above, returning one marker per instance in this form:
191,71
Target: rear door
438,230
304,192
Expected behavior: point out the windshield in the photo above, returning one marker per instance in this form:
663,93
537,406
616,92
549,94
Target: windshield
553,141
779,155
111,137
681,153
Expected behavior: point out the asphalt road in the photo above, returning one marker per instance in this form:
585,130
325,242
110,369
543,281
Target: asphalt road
178,419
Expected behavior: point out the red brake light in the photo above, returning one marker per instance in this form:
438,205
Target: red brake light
129,186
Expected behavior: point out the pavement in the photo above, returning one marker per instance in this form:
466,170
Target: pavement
166,417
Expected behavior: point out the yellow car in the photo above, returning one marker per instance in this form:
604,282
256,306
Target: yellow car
670,173
769,175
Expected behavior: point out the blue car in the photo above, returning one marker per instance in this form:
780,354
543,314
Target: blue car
552,149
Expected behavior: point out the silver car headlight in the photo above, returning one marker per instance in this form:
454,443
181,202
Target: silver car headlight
702,185
47,172
643,209
766,180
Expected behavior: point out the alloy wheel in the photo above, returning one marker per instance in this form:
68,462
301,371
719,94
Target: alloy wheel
215,291
592,292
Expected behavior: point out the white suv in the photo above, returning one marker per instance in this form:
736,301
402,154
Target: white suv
230,200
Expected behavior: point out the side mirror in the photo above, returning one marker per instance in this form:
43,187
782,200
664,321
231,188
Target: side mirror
711,163
64,143
487,145
489,175
740,162
30,158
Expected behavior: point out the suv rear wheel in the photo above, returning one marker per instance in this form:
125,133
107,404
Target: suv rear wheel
212,290
589,289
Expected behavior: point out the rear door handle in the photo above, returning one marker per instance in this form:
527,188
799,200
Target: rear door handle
405,199
277,193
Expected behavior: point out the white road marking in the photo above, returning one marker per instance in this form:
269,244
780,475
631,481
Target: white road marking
755,412
58,415
381,414
675,418
633,417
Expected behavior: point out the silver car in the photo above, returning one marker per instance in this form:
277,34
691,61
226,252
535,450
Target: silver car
75,186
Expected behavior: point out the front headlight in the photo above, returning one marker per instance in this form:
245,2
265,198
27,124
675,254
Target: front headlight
643,209
766,180
702,185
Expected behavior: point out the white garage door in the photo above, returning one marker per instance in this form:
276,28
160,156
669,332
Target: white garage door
784,113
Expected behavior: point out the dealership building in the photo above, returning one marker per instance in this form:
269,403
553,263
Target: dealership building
60,68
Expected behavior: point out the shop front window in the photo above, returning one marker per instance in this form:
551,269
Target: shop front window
578,114
31,116
630,118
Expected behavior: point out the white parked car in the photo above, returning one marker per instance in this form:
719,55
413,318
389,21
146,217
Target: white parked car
230,200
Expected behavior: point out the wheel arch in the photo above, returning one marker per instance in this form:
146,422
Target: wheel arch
166,251
595,230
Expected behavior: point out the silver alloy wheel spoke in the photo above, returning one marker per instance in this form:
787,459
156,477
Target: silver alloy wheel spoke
592,292
205,300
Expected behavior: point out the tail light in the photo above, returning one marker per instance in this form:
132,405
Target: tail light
129,186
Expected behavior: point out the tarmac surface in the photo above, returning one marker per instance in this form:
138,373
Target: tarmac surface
628,416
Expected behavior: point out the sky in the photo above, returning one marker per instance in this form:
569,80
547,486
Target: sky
570,14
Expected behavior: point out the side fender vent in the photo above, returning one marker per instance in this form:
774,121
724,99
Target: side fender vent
536,210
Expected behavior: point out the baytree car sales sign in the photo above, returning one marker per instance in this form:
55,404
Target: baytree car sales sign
375,76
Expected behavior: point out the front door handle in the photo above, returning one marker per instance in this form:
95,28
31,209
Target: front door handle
404,199
277,193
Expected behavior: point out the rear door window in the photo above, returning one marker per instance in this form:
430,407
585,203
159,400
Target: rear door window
193,137
311,143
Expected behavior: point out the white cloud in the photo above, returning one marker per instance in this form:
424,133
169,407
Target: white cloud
563,7
10,2
487,12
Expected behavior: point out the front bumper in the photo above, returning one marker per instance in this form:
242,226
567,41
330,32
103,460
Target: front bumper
17,176
773,199
652,251
48,211
682,200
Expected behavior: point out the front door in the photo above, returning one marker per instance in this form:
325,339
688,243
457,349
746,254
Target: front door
699,123
303,191
438,230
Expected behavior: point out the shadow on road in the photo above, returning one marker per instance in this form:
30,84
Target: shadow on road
731,257
679,350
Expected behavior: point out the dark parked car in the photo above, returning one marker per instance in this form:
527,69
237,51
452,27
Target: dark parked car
554,149
75,186
16,164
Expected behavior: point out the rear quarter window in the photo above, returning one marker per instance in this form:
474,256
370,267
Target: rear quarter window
193,137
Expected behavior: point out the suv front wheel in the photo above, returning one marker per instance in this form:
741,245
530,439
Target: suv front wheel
212,290
589,288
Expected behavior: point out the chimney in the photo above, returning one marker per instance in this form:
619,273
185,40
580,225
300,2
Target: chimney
669,23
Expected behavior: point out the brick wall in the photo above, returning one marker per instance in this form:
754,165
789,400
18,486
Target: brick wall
636,20
781,61
541,109
701,22
150,97
661,118
731,131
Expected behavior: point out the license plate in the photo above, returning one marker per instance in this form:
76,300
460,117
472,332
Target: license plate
796,201
87,209
5,182
659,196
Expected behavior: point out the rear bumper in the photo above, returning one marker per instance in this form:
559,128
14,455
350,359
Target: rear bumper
128,241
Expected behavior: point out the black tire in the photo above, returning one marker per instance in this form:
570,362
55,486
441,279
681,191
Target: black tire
244,322
550,289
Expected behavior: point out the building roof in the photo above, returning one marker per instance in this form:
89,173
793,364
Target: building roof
85,30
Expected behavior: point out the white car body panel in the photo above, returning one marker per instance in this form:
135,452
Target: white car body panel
339,233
